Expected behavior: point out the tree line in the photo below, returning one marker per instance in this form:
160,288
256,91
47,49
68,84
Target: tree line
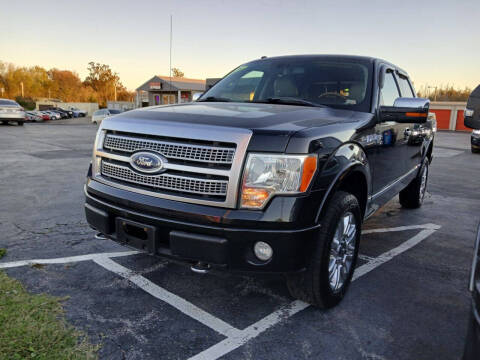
26,84
444,93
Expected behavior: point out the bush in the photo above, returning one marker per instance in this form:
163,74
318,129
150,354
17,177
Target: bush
26,102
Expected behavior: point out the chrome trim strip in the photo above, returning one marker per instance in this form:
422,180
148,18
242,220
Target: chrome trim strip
167,165
395,182
191,131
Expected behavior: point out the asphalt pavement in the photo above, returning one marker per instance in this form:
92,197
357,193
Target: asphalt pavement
409,299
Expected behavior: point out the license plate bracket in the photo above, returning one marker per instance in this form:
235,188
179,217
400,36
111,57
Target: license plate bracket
135,234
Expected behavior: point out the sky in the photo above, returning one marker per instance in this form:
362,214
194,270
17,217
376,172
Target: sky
436,42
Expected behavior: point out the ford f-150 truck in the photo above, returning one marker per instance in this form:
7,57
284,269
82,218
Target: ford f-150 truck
273,169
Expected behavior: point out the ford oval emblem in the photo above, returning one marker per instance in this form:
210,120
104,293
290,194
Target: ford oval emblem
147,162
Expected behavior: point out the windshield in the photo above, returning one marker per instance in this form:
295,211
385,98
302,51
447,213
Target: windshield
337,82
114,111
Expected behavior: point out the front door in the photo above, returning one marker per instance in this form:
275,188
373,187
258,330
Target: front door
388,159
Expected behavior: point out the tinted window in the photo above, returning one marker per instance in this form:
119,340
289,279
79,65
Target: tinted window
336,82
389,92
404,87
113,111
7,102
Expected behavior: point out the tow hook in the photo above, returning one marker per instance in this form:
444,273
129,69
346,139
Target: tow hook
201,267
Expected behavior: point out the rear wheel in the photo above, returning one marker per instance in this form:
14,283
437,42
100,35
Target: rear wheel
333,256
20,123
475,150
412,196
4,122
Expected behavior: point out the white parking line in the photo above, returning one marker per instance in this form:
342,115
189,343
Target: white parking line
65,260
401,228
174,300
225,346
234,337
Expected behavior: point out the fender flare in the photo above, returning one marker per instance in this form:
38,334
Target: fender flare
353,158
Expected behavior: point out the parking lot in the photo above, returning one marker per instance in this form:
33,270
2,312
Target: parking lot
409,299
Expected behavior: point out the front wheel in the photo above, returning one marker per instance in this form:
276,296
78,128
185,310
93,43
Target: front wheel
475,150
20,123
412,196
333,255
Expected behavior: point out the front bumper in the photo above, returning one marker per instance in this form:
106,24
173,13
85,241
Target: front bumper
218,236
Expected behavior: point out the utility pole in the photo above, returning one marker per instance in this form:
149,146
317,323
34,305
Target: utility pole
21,86
115,88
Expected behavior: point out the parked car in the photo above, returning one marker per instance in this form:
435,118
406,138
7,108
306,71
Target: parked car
53,115
44,115
472,344
101,114
11,111
77,112
472,113
33,116
273,169
66,113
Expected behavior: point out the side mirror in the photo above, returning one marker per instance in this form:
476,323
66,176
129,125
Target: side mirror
196,96
406,110
472,111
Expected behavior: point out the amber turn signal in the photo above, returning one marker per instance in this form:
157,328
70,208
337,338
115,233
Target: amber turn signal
309,168
254,197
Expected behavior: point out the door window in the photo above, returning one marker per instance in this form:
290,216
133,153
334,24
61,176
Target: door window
405,88
389,92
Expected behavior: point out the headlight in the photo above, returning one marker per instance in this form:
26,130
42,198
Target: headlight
267,174
476,132
468,112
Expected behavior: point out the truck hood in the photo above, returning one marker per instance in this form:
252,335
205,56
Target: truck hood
272,124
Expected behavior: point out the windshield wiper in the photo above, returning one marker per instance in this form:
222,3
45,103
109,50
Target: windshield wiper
287,101
214,99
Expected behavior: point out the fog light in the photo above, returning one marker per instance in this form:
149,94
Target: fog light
263,251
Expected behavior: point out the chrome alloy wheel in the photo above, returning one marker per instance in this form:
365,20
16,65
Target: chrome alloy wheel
423,182
342,251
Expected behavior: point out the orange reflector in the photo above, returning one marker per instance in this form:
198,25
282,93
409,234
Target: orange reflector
309,168
253,197
412,114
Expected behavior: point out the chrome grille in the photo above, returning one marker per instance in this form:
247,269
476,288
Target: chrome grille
166,181
171,150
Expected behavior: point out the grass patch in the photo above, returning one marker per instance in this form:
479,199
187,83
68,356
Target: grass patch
34,327
3,252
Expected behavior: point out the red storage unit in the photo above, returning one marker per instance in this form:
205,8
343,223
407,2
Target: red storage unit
459,125
443,118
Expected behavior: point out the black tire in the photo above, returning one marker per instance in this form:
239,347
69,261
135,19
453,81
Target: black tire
475,151
313,285
4,122
20,123
412,196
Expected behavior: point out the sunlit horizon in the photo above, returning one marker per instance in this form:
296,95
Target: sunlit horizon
432,41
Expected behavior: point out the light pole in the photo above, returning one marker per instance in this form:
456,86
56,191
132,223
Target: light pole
21,85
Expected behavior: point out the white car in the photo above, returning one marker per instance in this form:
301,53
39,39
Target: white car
101,114
11,111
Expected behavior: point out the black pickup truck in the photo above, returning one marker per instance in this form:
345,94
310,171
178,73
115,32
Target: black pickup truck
273,169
